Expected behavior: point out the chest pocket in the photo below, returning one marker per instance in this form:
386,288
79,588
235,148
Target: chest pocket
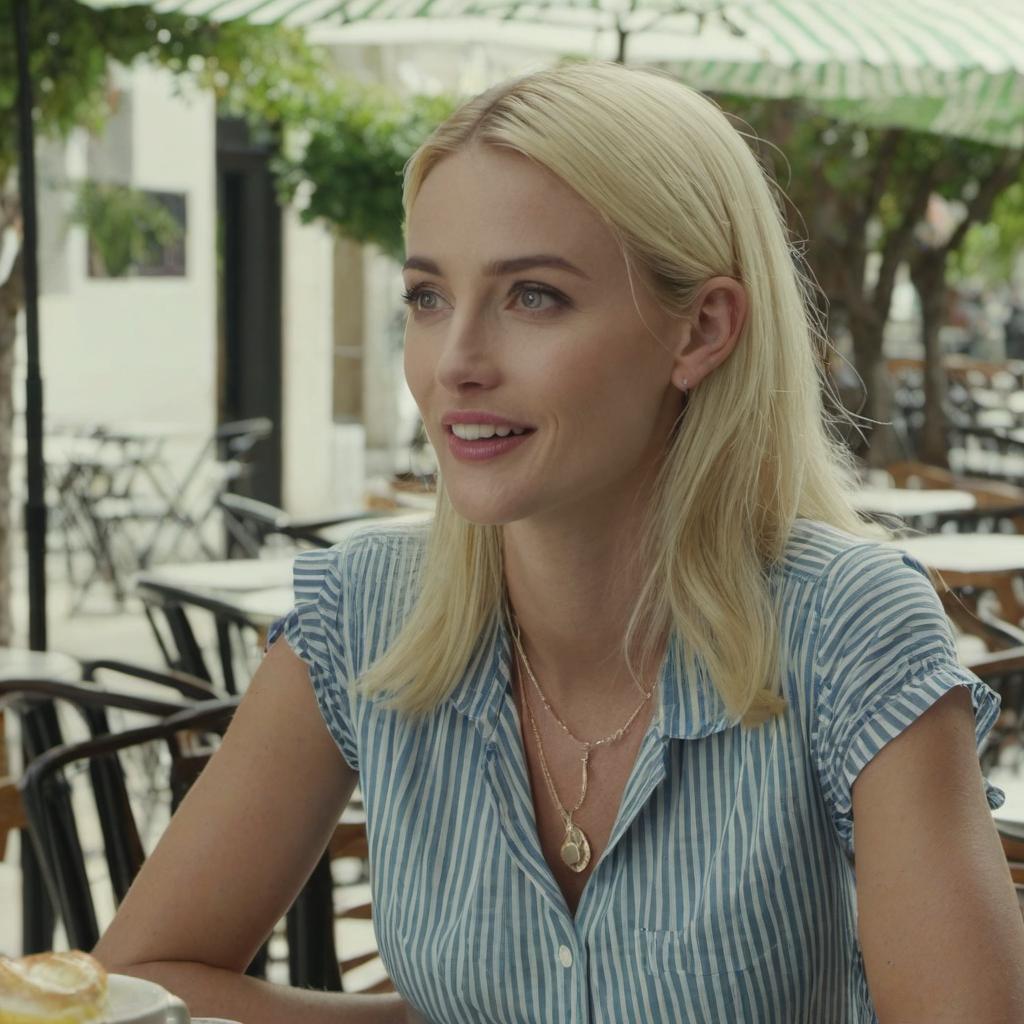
729,948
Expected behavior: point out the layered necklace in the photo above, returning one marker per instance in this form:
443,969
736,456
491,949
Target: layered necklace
575,848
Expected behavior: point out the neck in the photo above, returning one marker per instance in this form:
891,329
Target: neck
572,593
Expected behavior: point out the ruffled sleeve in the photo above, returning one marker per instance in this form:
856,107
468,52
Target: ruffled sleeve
315,631
885,653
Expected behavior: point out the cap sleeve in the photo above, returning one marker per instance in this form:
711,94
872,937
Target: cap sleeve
314,630
885,654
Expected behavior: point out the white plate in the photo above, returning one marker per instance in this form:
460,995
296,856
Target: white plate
137,1001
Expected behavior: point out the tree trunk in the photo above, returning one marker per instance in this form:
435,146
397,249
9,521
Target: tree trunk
928,272
11,301
881,445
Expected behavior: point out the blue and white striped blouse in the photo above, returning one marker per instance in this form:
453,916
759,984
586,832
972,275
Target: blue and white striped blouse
726,892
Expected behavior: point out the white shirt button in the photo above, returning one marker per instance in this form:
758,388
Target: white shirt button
565,956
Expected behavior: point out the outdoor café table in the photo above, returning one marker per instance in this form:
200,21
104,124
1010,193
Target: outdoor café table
968,554
908,502
339,532
980,561
230,575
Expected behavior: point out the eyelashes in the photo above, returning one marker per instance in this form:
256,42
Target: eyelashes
412,296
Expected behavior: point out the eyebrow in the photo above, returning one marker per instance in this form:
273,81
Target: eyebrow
498,268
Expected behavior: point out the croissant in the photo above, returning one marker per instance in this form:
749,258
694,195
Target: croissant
52,988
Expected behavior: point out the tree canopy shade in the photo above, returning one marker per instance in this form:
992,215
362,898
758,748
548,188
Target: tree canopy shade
940,66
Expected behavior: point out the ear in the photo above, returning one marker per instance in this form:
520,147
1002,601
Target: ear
711,333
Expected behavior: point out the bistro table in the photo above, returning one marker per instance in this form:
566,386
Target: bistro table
245,594
968,554
909,502
912,501
972,564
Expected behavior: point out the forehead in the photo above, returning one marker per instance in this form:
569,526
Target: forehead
491,198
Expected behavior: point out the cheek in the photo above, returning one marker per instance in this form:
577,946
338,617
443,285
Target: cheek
611,386
416,374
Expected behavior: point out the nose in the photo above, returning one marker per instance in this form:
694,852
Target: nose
469,354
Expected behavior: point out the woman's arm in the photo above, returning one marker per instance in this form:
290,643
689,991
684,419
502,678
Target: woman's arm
235,855
940,927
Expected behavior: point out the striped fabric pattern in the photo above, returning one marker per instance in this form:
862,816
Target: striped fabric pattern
726,891
937,65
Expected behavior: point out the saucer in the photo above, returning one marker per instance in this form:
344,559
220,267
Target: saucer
138,1001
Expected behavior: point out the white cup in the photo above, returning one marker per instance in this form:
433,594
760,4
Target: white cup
138,1001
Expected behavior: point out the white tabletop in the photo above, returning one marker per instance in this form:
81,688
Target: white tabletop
967,552
263,606
240,574
16,663
907,501
341,531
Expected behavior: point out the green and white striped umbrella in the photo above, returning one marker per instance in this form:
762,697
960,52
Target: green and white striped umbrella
950,66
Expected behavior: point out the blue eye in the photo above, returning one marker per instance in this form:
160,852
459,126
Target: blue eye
411,297
522,289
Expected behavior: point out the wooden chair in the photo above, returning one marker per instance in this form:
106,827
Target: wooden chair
189,736
1011,835
35,698
1003,671
256,521
238,637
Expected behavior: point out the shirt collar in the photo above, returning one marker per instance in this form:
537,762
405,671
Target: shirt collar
690,707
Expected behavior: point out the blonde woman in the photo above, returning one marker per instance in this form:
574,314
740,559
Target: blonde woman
615,709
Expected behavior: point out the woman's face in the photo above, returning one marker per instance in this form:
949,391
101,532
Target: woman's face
555,345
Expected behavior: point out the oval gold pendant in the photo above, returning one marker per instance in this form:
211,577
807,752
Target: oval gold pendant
575,849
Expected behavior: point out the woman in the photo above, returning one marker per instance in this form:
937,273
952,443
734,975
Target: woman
615,710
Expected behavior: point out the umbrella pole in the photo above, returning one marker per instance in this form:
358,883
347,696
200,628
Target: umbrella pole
35,506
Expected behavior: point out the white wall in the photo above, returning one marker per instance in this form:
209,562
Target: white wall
133,349
308,359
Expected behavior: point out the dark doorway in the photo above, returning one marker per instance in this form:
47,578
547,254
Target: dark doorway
249,263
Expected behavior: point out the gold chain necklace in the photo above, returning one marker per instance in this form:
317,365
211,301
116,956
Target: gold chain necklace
575,848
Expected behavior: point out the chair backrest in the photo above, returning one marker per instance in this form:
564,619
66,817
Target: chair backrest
1011,835
54,818
166,608
251,522
312,956
35,701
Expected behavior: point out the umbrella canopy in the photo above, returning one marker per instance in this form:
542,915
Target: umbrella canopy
934,65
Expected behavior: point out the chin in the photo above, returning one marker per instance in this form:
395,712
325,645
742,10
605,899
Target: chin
485,509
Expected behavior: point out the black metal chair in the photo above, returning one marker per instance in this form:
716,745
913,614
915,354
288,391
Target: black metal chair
54,830
166,607
225,459
252,522
35,703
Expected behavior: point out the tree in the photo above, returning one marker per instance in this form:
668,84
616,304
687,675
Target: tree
855,191
978,177
267,72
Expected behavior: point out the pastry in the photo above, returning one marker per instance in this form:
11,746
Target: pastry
52,988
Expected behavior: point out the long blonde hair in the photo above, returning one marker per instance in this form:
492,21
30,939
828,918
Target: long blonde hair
686,199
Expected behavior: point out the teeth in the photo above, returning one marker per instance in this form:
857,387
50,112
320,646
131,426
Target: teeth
480,431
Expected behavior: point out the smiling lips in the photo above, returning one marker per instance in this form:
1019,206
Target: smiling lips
477,447
474,435
483,431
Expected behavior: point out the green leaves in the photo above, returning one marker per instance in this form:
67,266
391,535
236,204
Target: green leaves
125,225
345,142
358,142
